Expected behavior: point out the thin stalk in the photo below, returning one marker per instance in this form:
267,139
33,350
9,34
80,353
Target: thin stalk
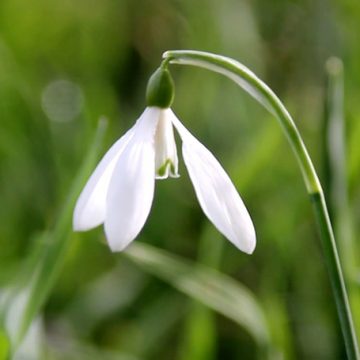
335,160
261,92
200,338
336,176
56,248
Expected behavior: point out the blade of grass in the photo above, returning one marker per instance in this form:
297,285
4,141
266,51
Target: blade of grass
4,345
200,329
55,248
336,168
335,159
207,286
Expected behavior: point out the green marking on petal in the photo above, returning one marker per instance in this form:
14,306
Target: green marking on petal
172,168
162,169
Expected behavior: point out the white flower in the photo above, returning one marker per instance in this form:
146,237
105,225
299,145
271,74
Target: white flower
120,191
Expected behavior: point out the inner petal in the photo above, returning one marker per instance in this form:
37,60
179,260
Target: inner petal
166,160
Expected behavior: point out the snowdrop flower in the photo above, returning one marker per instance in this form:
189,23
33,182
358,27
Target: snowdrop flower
120,191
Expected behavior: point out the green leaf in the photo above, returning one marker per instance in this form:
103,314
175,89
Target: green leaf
55,245
208,286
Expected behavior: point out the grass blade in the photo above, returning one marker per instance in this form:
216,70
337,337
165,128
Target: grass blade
56,244
208,286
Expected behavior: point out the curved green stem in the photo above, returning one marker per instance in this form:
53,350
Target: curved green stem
261,92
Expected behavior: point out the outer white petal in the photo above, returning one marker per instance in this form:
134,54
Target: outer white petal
216,193
91,205
131,189
166,160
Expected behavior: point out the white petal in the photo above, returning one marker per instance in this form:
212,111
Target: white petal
166,160
216,193
131,188
90,207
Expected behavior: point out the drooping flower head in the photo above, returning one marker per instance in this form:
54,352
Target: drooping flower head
120,191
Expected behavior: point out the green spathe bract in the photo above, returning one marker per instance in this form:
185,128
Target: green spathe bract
160,89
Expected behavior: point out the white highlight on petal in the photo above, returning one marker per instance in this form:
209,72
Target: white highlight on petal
216,193
166,159
131,189
90,207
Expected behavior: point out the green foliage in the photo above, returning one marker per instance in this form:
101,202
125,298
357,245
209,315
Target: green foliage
205,285
4,345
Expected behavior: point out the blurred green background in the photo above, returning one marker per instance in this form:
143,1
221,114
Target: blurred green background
66,64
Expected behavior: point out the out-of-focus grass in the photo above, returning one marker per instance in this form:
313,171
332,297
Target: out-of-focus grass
102,53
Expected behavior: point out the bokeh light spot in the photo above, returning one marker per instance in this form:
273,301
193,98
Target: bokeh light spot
62,100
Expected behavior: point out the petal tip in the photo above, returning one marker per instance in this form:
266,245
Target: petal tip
250,248
250,242
117,241
76,228
82,223
246,242
76,224
117,246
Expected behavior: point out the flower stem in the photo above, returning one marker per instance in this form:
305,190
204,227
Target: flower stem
261,92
